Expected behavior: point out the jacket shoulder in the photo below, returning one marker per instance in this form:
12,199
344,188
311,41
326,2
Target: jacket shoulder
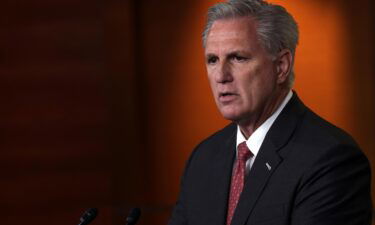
323,132
218,137
212,146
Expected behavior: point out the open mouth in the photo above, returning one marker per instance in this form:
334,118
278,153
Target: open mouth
225,94
226,97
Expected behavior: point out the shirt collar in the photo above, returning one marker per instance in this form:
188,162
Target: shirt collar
256,139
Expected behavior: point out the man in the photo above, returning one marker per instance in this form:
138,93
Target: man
278,163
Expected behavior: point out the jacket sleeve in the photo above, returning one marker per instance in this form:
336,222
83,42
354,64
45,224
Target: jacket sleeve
335,190
179,213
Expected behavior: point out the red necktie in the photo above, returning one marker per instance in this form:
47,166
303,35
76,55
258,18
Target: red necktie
238,178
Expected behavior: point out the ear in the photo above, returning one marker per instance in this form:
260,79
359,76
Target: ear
283,65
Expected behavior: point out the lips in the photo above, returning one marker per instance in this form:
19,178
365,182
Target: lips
226,97
223,94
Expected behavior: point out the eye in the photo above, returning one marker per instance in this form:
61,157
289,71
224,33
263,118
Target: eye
212,59
239,58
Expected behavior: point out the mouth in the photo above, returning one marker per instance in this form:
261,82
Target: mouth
227,96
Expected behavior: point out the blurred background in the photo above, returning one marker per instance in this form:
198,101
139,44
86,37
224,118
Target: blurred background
103,101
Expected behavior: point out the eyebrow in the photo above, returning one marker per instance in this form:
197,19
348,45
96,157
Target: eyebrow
230,54
238,52
209,55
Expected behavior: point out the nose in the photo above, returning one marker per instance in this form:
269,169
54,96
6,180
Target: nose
223,73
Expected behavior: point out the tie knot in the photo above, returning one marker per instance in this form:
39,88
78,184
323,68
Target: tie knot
244,152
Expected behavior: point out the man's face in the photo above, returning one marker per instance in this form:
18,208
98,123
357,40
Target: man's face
242,74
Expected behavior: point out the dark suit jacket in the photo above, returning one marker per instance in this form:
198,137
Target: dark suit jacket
318,176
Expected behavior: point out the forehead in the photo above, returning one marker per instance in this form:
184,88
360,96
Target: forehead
235,32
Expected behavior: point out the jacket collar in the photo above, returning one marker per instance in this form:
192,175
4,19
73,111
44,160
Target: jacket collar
268,158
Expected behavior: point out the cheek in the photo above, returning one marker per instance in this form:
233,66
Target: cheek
263,77
252,83
212,82
209,75
246,80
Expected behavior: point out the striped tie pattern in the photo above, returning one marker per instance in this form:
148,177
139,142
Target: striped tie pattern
238,178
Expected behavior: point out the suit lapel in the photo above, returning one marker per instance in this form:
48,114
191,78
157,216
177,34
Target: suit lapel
220,183
268,158
256,181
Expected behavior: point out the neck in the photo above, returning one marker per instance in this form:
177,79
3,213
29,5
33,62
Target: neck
248,127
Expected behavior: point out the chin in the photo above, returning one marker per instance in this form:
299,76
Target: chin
234,115
231,116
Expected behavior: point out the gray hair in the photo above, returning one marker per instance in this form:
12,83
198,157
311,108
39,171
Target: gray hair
276,28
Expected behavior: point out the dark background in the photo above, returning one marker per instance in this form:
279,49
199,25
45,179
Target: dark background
103,101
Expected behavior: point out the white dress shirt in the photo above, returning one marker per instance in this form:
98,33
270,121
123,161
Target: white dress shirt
256,139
